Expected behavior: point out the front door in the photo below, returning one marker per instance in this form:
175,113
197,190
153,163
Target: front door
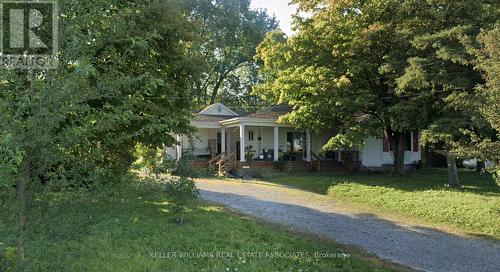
219,142
238,150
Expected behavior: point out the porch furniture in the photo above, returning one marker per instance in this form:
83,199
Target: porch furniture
269,155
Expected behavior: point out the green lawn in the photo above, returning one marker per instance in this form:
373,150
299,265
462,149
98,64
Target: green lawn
420,195
128,227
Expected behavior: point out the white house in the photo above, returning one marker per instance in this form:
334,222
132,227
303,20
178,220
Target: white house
254,140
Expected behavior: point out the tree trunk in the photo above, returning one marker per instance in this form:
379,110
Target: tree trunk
399,157
398,144
217,86
215,90
425,158
22,195
451,161
480,166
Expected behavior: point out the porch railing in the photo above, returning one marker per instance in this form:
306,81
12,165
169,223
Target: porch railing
216,158
227,163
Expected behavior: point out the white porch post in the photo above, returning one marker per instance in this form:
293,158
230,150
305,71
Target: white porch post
242,143
276,143
222,140
179,146
308,146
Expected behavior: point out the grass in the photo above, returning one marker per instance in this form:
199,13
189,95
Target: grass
420,195
128,227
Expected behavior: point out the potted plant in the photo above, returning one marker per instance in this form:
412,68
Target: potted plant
250,153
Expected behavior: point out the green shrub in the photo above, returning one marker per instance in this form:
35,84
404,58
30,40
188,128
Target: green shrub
181,192
496,176
8,257
250,153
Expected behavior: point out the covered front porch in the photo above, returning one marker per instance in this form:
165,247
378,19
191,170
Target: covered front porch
237,146
249,142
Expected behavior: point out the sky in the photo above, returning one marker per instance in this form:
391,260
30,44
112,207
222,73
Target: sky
280,9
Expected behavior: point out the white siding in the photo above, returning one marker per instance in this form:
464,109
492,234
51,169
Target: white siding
267,138
371,153
234,136
171,152
410,157
203,135
255,142
318,141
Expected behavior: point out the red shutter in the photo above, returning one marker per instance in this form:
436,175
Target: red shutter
386,145
416,141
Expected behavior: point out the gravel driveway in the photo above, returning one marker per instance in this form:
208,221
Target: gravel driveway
418,247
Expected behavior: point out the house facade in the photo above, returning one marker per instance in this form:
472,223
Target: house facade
237,140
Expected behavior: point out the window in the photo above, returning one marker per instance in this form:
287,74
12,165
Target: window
250,135
408,141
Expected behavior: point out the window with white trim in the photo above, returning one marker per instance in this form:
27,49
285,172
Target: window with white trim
250,135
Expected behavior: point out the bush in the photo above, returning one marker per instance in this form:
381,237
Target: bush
8,257
181,192
496,176
153,161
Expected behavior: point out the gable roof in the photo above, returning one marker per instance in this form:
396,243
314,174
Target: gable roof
218,109
209,118
218,114
272,113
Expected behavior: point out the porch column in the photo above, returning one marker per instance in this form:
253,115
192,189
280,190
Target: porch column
179,146
276,143
242,143
308,145
222,140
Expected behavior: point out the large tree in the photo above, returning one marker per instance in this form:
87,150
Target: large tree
122,80
341,69
227,33
442,65
488,104
394,66
489,63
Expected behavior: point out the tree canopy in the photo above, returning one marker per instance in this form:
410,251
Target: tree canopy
443,65
226,35
488,104
340,69
122,79
378,66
